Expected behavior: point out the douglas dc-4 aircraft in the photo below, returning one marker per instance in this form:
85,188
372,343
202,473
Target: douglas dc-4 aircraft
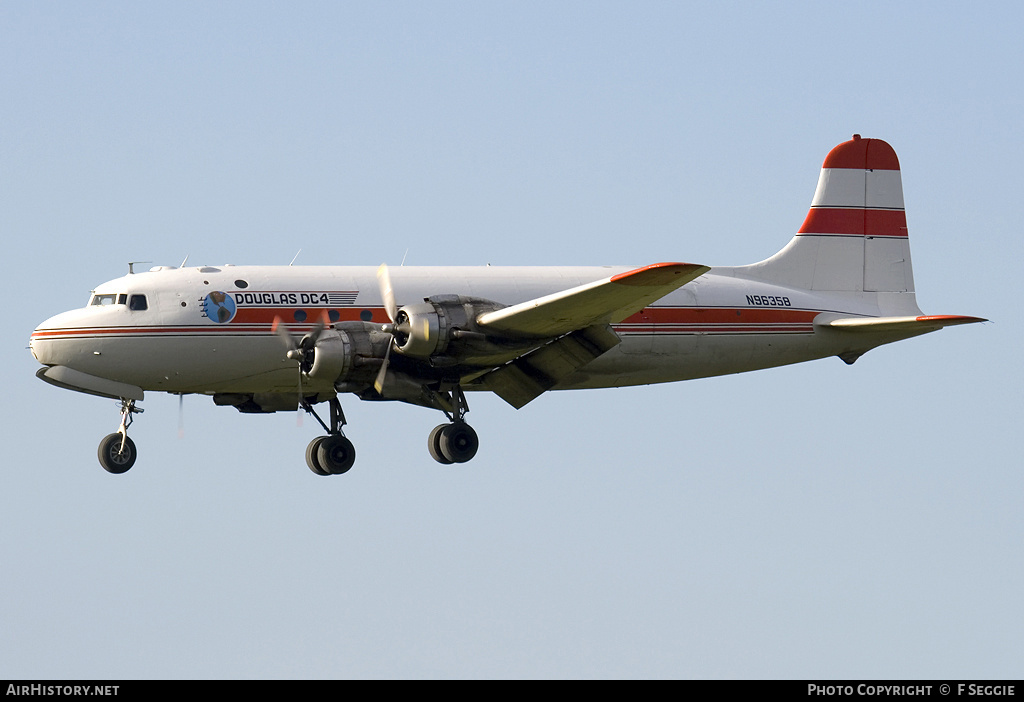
273,338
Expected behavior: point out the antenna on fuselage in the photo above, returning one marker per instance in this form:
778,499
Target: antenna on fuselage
404,257
183,262
131,266
295,256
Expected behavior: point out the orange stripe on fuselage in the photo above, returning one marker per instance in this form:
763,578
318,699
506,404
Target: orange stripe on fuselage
675,320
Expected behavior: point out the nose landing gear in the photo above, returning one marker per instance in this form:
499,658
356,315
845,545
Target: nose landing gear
117,451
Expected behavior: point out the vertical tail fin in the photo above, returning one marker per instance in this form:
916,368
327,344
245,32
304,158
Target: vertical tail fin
854,238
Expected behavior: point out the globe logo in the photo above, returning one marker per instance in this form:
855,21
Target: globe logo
219,307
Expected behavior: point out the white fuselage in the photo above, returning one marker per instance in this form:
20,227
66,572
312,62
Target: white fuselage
209,329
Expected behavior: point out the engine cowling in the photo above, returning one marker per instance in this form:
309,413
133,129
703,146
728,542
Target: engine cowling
443,331
438,333
347,351
421,330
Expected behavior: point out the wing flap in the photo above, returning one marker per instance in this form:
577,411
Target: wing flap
604,301
524,379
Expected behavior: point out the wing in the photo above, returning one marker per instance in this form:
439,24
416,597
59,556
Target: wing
578,323
602,302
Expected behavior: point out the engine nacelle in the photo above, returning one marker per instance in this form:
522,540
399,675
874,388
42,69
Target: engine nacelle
440,331
421,330
443,330
348,351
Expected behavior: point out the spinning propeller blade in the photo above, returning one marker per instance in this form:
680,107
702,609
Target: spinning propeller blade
282,332
300,351
378,383
387,293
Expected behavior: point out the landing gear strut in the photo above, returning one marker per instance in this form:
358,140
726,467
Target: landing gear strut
455,442
117,452
333,454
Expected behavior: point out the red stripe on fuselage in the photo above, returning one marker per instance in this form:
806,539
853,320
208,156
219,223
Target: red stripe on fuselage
652,320
721,315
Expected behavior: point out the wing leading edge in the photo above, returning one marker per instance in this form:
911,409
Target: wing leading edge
604,301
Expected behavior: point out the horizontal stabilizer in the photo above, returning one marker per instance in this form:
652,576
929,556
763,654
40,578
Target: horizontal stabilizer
923,323
605,301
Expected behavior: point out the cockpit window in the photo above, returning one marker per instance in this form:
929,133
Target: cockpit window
134,302
104,299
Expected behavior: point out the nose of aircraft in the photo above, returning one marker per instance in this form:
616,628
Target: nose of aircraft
37,342
43,342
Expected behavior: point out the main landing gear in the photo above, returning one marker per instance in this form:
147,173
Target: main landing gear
333,454
117,452
455,442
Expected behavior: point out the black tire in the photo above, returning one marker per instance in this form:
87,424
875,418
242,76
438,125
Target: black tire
459,442
434,445
113,457
336,454
312,457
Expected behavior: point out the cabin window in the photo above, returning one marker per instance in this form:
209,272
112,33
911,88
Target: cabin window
137,302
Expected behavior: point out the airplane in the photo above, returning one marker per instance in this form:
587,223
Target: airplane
283,338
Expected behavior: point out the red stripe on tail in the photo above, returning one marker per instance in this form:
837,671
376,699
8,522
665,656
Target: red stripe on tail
855,221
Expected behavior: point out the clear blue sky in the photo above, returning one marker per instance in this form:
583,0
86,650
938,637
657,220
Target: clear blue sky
818,521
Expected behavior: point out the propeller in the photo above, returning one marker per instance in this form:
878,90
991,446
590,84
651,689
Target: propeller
298,351
399,326
181,415
387,294
301,350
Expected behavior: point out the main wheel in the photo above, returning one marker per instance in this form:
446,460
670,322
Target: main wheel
434,445
117,453
459,442
336,454
312,457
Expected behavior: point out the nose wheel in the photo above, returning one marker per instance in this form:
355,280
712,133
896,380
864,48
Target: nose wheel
117,451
